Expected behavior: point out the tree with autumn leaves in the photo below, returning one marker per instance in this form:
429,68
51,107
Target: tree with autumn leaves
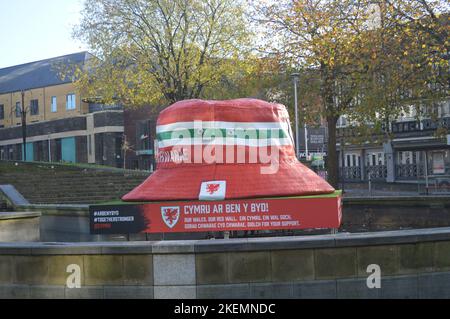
408,63
325,36
374,59
160,51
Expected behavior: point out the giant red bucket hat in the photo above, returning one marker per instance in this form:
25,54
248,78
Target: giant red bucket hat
214,150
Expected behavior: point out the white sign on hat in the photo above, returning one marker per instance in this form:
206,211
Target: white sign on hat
213,190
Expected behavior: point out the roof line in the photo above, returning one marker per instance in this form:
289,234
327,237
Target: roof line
37,87
56,57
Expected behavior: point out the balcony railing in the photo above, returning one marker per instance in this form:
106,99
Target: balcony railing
352,173
96,107
410,126
376,172
408,171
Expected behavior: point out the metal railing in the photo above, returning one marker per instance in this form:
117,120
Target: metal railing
376,172
409,171
352,173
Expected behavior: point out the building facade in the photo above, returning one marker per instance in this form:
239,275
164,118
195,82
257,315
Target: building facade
62,126
140,130
417,152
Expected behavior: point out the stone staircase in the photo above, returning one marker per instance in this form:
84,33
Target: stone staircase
63,184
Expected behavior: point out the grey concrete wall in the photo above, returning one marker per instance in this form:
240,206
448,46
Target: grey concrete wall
71,222
390,213
67,223
414,264
19,226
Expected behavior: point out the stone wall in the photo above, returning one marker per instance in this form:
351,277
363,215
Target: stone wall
66,223
19,226
390,213
71,223
414,264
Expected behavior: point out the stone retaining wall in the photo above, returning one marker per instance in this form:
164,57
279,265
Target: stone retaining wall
414,264
19,226
390,213
71,222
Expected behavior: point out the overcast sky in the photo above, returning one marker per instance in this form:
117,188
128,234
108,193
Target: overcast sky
32,30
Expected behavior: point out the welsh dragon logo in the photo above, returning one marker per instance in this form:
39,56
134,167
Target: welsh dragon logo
212,188
170,215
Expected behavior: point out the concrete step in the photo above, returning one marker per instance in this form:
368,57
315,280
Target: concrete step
74,193
39,183
56,197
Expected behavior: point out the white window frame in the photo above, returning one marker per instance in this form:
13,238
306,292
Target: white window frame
69,105
53,106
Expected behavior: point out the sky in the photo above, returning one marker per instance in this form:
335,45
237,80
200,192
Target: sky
32,30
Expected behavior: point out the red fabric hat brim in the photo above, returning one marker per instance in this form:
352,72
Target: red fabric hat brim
242,181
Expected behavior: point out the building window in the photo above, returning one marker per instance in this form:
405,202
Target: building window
2,111
380,158
143,135
34,107
53,107
347,163
342,121
70,102
57,155
18,110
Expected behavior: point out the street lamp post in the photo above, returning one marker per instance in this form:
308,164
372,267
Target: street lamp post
306,135
295,77
24,126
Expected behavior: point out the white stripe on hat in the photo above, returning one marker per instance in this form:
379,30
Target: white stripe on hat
227,141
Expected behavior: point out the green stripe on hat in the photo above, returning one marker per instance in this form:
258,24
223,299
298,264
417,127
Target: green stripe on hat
247,134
